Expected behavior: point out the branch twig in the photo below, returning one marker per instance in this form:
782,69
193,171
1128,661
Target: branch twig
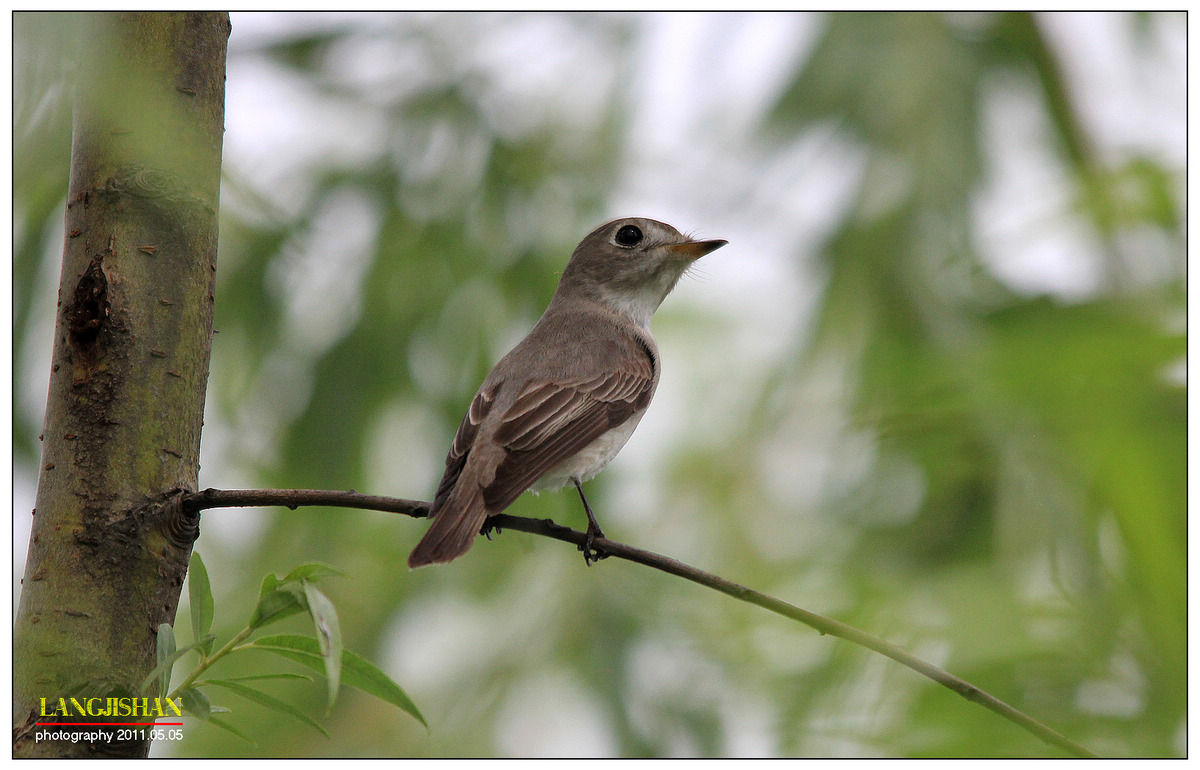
292,498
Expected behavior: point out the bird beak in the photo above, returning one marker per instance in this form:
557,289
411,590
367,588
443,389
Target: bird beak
695,249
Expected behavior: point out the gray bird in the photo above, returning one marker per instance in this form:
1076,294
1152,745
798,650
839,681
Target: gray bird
563,402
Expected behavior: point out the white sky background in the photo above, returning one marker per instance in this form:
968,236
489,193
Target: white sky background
706,80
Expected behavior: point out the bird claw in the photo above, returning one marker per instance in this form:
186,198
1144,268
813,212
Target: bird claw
591,554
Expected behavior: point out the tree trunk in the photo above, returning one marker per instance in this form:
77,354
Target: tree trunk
110,543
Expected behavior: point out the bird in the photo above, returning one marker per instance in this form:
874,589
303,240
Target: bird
562,403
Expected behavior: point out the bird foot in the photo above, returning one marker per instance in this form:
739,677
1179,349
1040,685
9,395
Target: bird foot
591,554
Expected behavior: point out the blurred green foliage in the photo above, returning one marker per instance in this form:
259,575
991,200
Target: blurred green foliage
990,477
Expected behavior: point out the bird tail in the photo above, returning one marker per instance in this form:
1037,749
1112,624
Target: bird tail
455,526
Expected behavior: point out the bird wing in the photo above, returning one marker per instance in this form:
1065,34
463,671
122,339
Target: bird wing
456,459
551,421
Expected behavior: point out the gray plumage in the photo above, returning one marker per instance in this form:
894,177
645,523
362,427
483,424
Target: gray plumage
563,402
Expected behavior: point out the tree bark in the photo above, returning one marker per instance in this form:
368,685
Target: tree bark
121,441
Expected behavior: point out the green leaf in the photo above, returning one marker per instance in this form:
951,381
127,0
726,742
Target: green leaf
165,649
357,672
201,600
329,637
270,701
312,572
256,677
279,599
196,703
269,584
278,604
199,596
226,726
165,666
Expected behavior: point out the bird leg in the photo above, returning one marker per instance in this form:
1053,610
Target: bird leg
488,528
590,555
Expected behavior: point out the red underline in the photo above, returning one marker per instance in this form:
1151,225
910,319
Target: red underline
107,724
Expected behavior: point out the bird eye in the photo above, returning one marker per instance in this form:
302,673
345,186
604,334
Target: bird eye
628,236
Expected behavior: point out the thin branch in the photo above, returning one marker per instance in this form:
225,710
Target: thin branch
292,498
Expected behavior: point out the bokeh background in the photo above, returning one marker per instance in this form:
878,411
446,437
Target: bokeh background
934,387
